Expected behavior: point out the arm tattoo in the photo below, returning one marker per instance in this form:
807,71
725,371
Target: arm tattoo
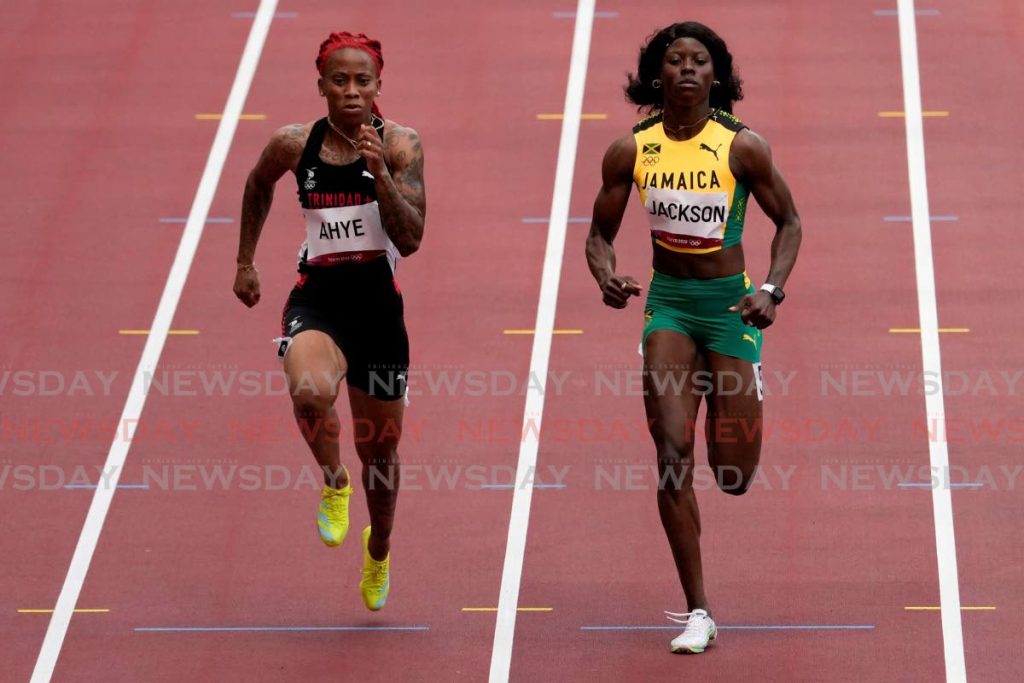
402,196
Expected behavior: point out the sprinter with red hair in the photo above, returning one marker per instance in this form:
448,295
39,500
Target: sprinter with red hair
360,185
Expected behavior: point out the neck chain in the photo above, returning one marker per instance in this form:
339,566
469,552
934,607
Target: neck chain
677,129
355,145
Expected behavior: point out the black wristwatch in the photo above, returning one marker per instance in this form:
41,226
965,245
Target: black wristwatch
775,292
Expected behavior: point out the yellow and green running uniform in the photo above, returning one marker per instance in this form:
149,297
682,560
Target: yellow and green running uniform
700,310
695,206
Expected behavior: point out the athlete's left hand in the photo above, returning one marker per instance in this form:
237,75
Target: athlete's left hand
757,309
371,148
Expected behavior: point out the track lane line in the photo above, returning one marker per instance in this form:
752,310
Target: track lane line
515,548
100,505
931,358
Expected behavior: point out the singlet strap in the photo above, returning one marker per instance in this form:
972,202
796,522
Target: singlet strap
311,152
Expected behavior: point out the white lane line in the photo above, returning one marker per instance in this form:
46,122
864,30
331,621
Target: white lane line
58,627
938,453
511,574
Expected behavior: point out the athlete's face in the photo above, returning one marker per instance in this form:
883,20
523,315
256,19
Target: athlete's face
687,71
350,83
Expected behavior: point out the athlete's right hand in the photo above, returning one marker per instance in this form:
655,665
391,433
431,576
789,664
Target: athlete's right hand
616,290
247,286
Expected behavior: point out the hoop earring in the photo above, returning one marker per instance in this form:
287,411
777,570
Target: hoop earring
715,83
656,83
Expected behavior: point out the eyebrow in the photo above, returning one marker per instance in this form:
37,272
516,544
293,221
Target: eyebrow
702,51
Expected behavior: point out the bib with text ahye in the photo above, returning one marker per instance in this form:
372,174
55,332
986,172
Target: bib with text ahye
339,205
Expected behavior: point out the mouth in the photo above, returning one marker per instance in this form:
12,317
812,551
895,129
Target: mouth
688,84
352,107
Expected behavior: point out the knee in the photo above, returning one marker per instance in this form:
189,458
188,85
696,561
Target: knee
675,468
672,449
312,402
734,480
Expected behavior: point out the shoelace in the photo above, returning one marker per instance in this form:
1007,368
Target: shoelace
334,503
377,574
686,618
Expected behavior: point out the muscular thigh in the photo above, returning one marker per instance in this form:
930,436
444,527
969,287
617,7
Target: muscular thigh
734,417
670,396
314,364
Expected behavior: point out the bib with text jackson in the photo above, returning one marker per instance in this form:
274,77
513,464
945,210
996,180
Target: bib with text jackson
693,202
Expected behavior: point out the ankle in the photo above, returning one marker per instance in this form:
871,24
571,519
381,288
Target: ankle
336,479
379,549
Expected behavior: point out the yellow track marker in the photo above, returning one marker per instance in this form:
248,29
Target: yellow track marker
936,608
188,332
241,117
50,611
559,117
553,331
901,114
518,609
917,330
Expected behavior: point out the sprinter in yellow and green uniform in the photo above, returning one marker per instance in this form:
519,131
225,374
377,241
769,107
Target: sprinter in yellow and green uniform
695,165
695,205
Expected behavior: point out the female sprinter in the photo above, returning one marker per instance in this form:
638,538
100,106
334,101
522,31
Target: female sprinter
694,165
360,184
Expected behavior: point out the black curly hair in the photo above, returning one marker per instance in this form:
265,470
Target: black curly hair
639,90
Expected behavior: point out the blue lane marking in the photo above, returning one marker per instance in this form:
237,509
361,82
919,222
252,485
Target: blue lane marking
540,219
766,627
279,628
509,486
211,219
92,486
894,13
597,15
928,485
277,15
906,219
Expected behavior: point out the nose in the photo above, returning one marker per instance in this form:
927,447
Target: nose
351,89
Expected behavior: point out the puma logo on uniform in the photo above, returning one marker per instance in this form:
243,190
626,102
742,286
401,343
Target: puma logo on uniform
713,151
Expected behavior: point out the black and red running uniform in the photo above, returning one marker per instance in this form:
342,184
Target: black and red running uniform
347,286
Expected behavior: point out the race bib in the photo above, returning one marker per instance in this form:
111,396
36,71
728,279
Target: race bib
344,233
687,220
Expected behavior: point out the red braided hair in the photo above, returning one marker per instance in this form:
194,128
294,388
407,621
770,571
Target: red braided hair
359,41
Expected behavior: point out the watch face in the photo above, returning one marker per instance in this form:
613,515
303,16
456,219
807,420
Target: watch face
778,295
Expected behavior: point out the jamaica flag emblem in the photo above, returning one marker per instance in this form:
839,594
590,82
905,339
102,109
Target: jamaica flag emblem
652,148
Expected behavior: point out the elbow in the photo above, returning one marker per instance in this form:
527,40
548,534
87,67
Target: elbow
796,230
791,227
408,247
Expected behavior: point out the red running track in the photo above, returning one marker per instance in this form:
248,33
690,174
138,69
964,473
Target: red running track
801,548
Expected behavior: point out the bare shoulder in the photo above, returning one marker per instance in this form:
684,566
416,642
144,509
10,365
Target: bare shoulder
622,148
399,138
620,158
749,142
286,144
403,146
750,154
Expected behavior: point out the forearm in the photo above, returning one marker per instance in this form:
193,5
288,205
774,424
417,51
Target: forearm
402,221
256,201
785,246
600,257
